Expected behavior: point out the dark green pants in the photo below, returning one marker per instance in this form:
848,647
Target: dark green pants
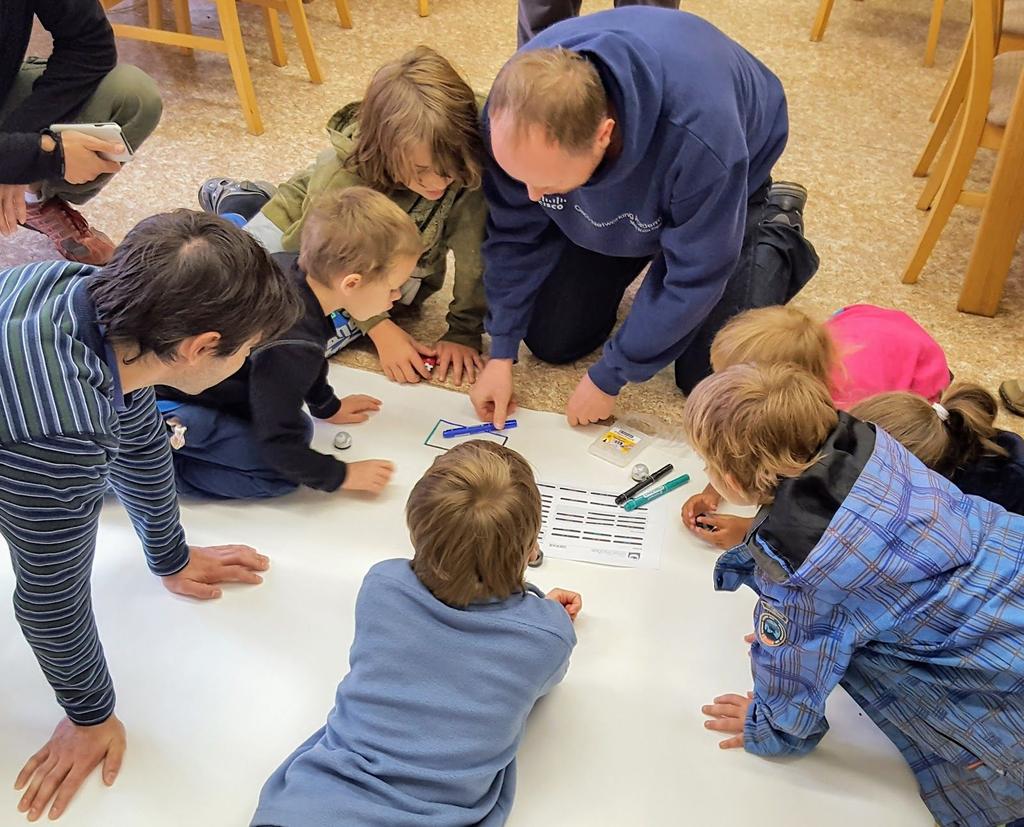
127,96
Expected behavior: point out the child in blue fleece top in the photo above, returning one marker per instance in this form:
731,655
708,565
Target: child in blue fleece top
451,652
875,573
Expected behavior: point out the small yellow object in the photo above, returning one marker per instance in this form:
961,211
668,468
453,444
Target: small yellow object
619,444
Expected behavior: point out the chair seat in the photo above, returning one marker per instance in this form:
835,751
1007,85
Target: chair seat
1013,17
1006,72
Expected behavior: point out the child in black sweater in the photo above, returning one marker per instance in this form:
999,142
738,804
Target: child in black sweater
248,436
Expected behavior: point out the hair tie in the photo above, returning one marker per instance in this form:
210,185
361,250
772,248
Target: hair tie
940,411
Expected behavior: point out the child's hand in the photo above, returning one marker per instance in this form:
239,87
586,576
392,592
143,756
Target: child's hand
571,601
355,408
705,502
462,359
730,715
723,531
401,356
369,475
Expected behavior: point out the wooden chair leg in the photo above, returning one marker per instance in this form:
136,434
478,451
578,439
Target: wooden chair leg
949,193
278,56
305,38
821,20
424,8
227,11
956,83
942,165
183,21
933,32
1002,220
344,15
954,101
155,15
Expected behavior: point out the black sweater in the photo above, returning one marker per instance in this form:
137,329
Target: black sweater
270,388
83,54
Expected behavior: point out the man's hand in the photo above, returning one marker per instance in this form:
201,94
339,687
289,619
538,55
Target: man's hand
588,403
729,714
706,502
491,394
462,359
571,601
65,761
723,531
82,162
369,475
210,565
401,356
355,408
12,207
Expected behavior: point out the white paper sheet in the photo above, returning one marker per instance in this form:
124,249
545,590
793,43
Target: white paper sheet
583,523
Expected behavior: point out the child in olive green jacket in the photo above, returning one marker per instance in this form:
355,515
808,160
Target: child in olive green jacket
415,137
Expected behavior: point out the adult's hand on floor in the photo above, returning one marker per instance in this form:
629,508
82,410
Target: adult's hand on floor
82,162
401,356
588,403
461,359
491,394
12,207
208,566
65,761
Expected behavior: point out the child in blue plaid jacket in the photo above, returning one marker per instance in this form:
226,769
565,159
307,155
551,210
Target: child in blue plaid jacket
874,573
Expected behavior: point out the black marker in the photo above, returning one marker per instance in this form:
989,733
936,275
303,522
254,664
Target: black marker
640,486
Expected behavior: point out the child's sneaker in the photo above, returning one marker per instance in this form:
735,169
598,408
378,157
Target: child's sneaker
69,231
786,202
229,195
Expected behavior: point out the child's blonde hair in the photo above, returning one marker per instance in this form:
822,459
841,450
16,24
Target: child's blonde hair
417,99
474,518
774,335
759,424
356,230
956,431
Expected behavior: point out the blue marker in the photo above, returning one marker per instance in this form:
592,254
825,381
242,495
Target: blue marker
654,493
486,428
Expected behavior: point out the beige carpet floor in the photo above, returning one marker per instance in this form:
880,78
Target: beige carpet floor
858,102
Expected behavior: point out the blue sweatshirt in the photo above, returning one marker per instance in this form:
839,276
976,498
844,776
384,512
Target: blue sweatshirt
702,123
426,724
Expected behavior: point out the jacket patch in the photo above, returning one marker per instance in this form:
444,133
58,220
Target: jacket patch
772,627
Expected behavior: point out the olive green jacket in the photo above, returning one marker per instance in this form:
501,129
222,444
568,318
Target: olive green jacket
455,223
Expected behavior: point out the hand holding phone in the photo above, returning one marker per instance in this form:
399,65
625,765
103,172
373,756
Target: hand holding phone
91,150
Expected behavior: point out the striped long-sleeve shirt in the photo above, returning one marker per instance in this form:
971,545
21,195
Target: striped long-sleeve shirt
67,434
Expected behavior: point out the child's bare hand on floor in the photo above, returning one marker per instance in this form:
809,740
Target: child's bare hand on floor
369,475
723,531
728,714
355,408
463,361
401,356
571,601
706,502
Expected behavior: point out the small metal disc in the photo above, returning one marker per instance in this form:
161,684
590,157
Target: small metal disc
342,440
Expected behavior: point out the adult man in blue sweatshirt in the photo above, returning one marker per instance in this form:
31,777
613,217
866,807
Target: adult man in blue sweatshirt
632,137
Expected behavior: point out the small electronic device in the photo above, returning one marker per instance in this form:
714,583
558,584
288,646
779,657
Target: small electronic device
105,132
620,444
703,525
342,440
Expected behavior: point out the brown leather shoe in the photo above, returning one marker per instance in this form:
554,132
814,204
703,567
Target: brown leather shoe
69,231
1012,392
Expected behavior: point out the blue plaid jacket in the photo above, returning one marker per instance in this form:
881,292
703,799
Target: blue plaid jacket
877,574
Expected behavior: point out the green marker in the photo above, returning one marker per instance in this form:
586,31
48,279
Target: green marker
654,493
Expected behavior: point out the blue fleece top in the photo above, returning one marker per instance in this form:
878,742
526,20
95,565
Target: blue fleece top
426,724
702,123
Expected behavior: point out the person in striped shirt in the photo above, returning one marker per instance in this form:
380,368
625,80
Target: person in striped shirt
183,300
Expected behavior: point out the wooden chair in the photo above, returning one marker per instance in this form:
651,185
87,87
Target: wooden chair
230,42
976,125
931,44
1002,220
